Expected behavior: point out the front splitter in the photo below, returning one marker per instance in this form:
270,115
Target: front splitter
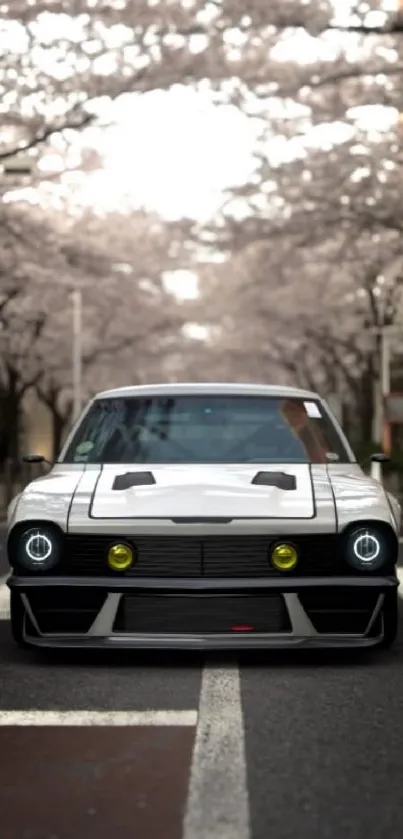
203,642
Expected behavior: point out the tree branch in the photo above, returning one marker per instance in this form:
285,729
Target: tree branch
46,133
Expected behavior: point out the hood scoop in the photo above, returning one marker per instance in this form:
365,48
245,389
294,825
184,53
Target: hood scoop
133,479
281,480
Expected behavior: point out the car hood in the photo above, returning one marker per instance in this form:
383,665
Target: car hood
204,492
326,498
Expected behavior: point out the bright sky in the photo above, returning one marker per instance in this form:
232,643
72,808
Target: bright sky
175,152
171,151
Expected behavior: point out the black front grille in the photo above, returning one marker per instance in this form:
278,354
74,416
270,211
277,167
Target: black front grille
65,609
211,556
202,614
339,611
156,556
241,556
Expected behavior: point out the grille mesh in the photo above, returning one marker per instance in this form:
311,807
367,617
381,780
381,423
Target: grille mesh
202,613
211,557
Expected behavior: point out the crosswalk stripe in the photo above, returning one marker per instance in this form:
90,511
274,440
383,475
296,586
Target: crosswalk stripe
218,803
100,718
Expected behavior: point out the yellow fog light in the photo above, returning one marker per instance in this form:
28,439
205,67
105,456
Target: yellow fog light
284,557
120,557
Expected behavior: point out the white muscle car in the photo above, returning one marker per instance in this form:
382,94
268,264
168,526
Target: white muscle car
204,516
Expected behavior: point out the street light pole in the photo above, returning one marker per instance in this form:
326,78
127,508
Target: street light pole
381,428
385,388
77,353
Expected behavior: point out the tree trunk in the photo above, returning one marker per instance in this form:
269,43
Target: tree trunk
11,419
59,418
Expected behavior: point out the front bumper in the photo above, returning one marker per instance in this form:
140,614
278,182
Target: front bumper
301,624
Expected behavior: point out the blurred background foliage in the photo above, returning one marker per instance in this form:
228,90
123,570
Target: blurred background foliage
294,274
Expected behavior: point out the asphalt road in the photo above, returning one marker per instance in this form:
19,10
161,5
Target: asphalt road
286,746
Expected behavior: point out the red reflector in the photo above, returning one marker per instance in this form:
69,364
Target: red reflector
241,628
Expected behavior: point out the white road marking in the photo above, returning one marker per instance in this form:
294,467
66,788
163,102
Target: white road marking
104,718
218,805
4,599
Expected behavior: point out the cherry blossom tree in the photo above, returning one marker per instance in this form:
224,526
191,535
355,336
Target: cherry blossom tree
66,57
312,264
129,317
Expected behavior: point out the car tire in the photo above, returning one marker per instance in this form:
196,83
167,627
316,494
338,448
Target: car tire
17,614
390,613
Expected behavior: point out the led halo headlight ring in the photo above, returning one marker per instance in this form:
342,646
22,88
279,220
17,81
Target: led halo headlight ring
39,548
367,548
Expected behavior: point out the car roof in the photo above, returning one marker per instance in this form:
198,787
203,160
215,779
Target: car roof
210,388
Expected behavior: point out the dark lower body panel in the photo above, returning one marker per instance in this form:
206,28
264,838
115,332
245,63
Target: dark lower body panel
203,614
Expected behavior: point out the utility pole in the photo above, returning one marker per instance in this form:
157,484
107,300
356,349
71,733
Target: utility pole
77,353
385,389
381,427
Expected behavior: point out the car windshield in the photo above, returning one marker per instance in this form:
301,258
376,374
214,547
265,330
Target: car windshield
206,430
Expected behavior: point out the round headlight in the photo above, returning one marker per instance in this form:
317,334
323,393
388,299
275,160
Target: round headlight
39,549
284,557
120,557
367,549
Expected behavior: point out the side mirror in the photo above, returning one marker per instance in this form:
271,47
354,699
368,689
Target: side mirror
35,458
380,457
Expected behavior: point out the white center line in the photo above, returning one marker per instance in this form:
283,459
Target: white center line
218,805
104,718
